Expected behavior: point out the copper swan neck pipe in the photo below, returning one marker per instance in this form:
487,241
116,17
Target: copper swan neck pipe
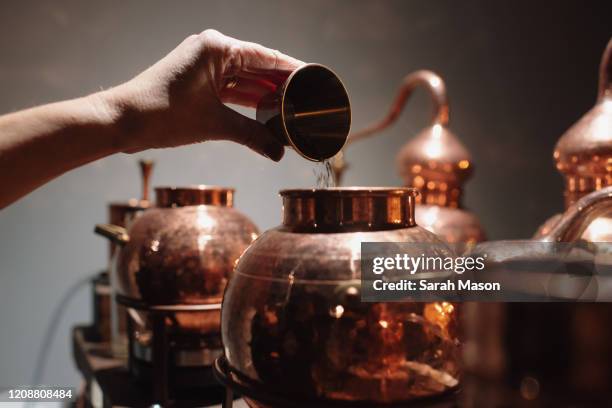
580,215
437,90
605,72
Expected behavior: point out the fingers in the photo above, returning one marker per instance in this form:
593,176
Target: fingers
257,58
247,56
248,132
246,92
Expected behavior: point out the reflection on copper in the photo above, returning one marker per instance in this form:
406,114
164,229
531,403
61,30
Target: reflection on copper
302,332
320,112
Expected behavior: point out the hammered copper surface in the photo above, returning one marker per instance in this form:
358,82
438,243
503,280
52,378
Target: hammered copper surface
181,253
302,330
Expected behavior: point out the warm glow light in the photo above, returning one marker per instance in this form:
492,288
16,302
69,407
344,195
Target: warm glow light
598,228
155,245
383,323
433,149
464,164
204,221
338,311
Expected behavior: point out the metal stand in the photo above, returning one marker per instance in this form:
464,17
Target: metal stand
233,383
161,353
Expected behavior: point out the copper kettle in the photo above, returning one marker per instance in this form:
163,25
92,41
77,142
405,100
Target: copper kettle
180,253
302,332
435,162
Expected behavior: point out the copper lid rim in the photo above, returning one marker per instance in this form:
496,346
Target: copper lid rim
195,187
196,195
350,191
131,203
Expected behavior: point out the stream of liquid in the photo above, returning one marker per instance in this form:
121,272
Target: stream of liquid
324,174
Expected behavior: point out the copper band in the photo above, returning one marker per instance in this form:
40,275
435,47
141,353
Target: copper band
196,195
355,209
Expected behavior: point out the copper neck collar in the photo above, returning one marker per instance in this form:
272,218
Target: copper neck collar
440,194
170,197
577,186
348,209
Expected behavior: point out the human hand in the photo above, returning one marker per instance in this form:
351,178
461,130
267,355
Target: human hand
180,100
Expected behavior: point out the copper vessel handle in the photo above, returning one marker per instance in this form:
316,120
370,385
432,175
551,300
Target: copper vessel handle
437,90
605,72
580,215
114,233
146,168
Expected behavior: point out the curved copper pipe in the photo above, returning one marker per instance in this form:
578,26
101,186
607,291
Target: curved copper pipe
605,72
437,90
579,215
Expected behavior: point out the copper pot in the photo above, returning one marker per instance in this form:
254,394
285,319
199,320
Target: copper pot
302,332
181,253
435,162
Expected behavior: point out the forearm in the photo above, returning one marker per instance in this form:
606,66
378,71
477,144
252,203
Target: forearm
39,144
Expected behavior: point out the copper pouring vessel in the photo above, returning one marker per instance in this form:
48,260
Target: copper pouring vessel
180,254
309,112
302,333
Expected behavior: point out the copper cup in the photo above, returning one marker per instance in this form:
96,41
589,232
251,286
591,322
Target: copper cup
310,112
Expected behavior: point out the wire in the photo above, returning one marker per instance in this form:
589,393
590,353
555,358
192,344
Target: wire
51,330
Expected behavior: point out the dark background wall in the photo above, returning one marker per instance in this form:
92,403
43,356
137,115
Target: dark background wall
518,75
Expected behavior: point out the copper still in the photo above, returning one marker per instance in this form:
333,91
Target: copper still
175,261
435,162
583,155
302,332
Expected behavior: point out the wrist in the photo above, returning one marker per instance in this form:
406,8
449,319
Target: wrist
112,109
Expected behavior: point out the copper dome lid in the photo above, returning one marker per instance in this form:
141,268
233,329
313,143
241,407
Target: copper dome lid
434,161
584,153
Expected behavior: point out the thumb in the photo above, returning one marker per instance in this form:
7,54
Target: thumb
248,132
